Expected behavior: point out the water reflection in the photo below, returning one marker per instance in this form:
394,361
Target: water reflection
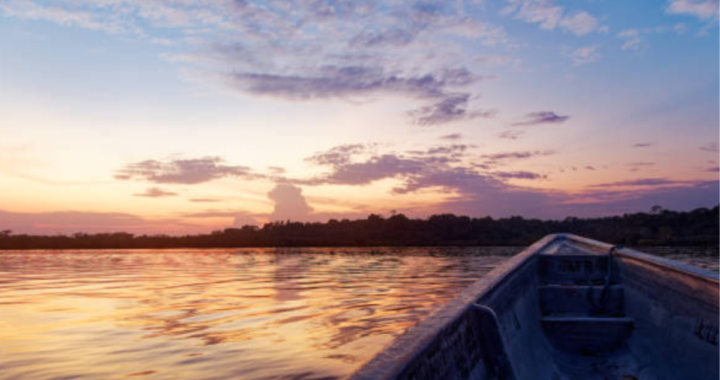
222,314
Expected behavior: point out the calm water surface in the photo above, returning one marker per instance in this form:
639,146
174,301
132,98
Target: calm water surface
218,314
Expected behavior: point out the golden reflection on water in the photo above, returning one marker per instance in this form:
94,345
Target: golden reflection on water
219,314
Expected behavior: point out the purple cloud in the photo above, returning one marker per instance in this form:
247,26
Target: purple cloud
470,181
711,147
457,178
542,117
306,50
449,109
646,182
346,170
484,199
183,171
682,197
339,155
442,167
375,168
519,175
155,192
388,38
343,81
514,156
643,145
637,166
511,135
448,168
447,149
452,136
353,81
440,155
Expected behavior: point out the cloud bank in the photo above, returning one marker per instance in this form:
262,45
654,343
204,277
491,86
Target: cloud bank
306,50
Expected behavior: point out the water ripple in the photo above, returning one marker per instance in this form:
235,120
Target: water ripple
267,314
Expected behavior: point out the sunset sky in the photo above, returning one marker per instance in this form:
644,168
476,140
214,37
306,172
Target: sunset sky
180,116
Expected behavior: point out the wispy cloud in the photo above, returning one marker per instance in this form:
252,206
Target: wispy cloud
304,51
579,23
542,117
703,9
451,108
511,135
210,214
496,60
343,81
635,39
637,166
710,147
338,155
156,192
183,171
359,81
520,175
631,38
584,55
643,145
549,16
645,182
452,136
514,156
276,170
29,10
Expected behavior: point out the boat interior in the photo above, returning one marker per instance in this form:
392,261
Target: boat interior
568,308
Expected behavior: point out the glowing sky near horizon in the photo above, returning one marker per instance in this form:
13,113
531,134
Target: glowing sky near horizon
185,115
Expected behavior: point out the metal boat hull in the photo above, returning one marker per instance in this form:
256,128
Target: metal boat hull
567,308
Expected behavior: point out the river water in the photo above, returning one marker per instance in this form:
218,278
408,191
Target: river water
219,314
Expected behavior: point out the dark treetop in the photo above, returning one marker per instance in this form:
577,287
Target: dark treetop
660,227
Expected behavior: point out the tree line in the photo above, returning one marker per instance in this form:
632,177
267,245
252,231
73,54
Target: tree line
659,227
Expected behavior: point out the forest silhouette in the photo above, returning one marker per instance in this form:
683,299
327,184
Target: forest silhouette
698,227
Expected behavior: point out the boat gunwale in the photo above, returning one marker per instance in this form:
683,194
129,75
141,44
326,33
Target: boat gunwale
688,270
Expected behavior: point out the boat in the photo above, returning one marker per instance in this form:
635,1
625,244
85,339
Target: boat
567,308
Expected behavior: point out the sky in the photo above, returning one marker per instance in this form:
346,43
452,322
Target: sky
186,116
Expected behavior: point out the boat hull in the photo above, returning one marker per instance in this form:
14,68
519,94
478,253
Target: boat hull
643,318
